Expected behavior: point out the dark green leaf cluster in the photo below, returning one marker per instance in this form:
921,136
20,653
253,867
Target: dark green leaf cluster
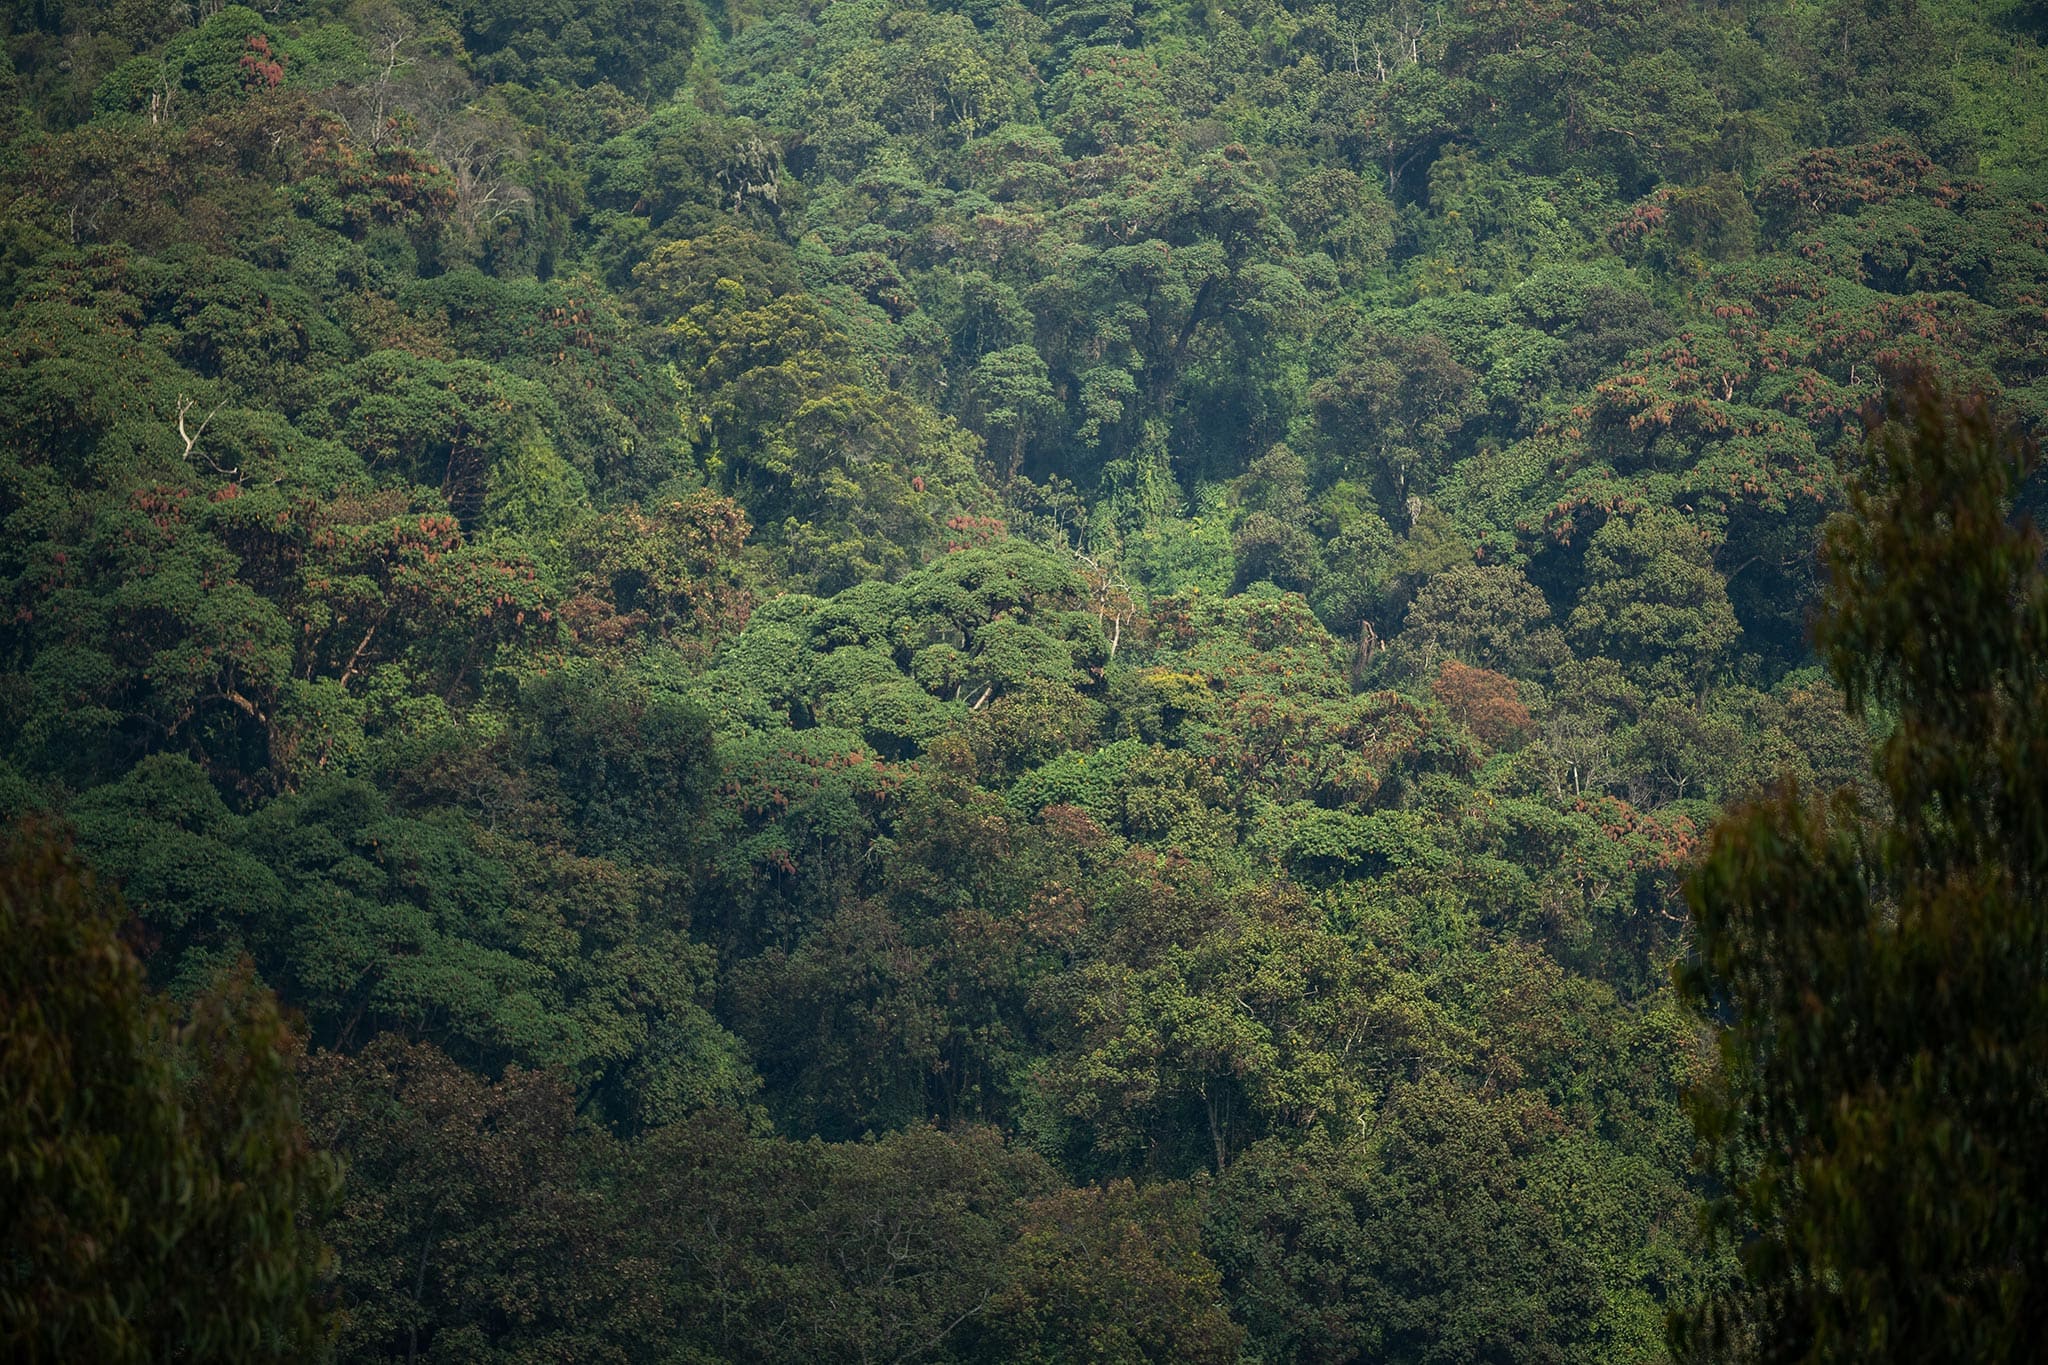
156,1182
1878,969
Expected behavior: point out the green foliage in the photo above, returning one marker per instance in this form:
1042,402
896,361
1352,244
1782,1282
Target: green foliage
1653,600
466,1225
1877,970
1489,616
1218,1040
158,1184
1115,1274
970,680
1339,1251
639,46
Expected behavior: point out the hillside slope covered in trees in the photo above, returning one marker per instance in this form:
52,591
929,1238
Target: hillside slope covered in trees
963,680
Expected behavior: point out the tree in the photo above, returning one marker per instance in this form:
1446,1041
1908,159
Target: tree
1879,974
1273,540
154,1177
846,1026
1258,1026
1483,702
1427,1244
1111,1274
470,1229
1014,397
1174,579
780,1251
1654,600
1394,411
1486,615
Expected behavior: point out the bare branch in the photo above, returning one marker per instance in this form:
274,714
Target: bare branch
191,438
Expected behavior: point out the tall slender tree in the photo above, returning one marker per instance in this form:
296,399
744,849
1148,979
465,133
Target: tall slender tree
1879,976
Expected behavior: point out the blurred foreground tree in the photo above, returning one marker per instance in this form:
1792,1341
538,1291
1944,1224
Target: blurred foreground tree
152,1171
1880,976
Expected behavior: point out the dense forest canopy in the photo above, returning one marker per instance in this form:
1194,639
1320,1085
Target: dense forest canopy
958,679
